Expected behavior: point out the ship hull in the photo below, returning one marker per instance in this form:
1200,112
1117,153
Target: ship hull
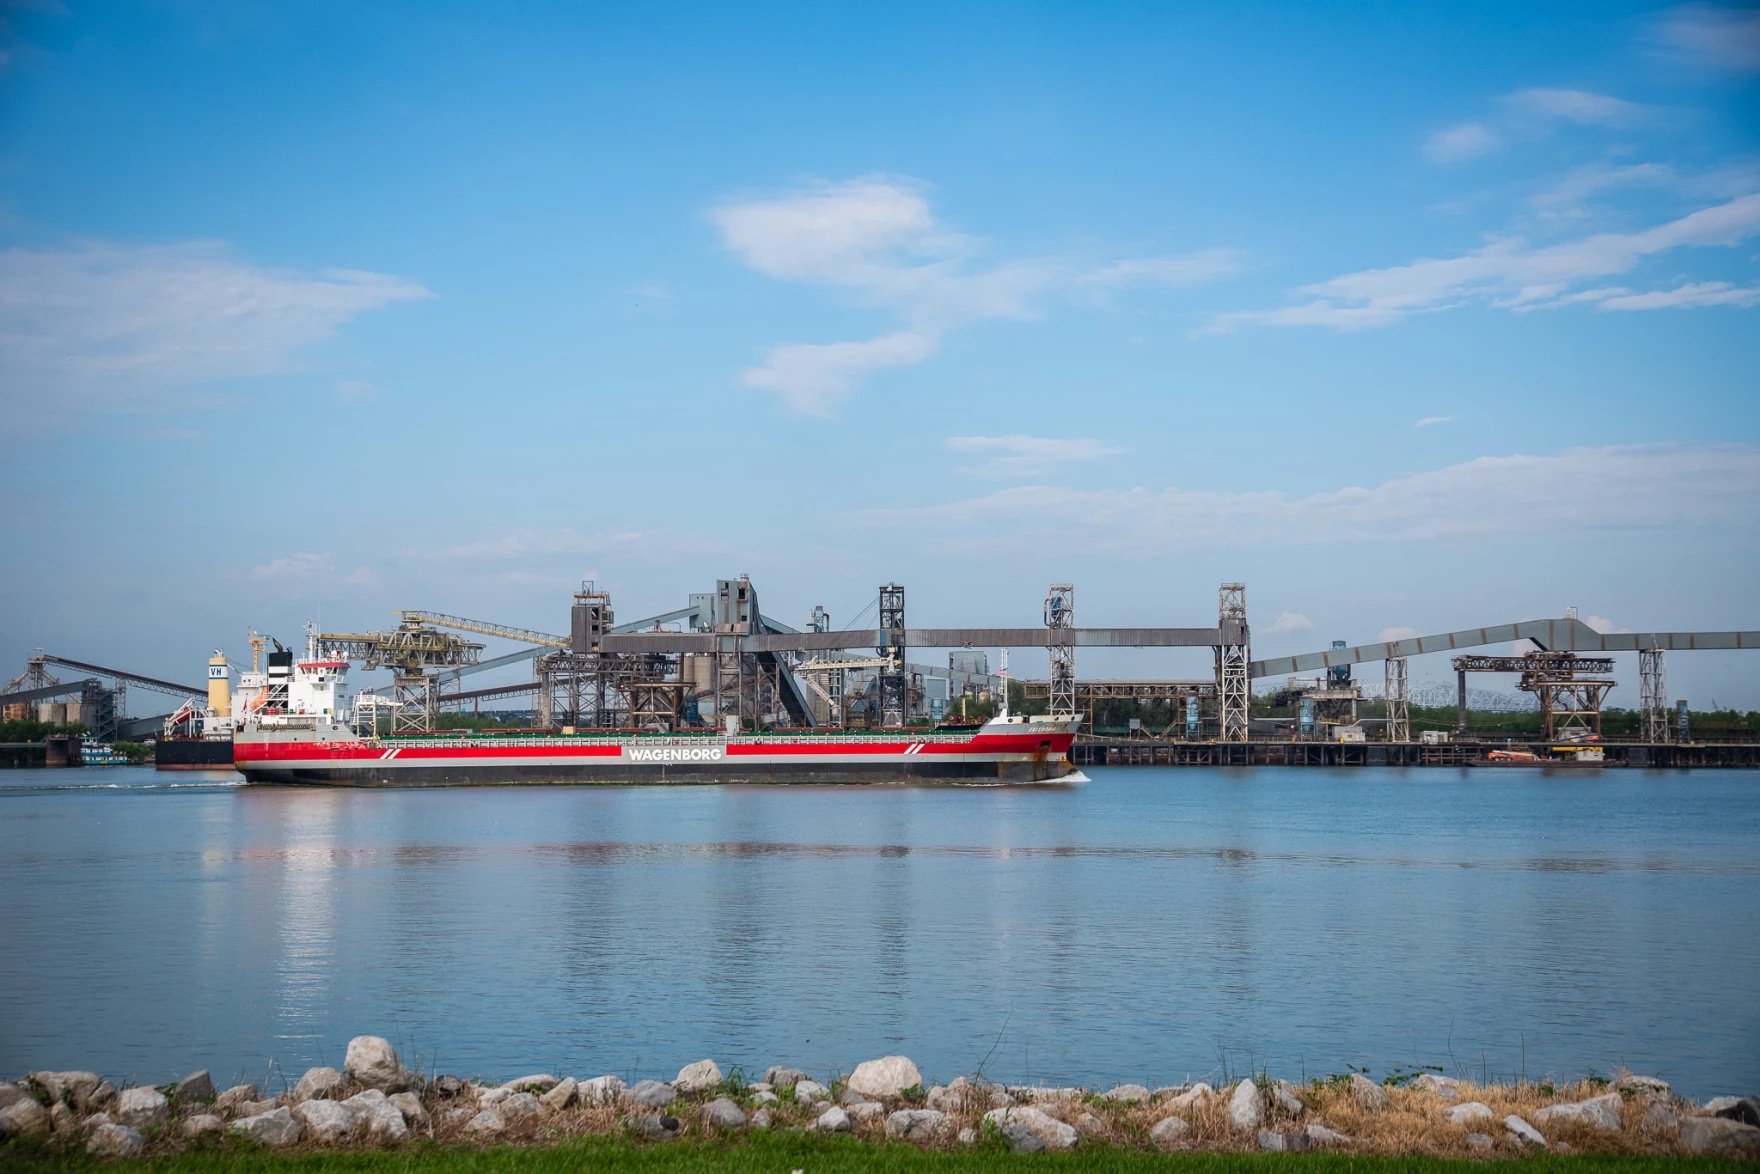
1030,756
192,754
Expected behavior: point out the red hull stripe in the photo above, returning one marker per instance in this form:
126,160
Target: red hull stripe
392,755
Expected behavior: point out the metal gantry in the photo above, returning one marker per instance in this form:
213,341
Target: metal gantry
1397,694
1234,654
1570,701
1653,694
1060,631
410,650
894,683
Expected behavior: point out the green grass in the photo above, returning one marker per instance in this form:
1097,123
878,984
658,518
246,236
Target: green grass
782,1153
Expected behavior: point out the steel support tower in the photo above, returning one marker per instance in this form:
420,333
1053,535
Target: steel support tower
894,683
1397,694
1653,694
1233,657
1060,637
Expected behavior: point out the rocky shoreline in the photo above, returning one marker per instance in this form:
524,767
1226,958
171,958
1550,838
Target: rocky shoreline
375,1101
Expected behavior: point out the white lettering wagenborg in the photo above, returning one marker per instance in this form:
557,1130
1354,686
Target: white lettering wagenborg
673,753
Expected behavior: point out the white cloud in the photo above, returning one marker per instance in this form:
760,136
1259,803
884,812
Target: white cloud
1704,293
1389,635
1289,621
1583,182
354,390
1432,421
1606,489
876,239
1169,269
1508,273
1712,37
131,327
812,378
295,566
1604,625
1026,456
1466,141
1579,106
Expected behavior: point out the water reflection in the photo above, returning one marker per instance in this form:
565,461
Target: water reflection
1138,927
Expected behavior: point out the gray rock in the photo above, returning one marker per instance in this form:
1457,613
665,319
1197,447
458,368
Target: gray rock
867,1111
1319,1134
319,1084
457,1113
1481,1141
1659,1118
1649,1086
142,1108
410,1105
101,1096
1522,1131
202,1123
657,1127
1285,1098
723,1114
325,1120
372,1061
1719,1104
487,1122
999,1098
1088,1125
1746,1110
76,1087
1246,1107
1271,1141
761,1119
1368,1094
968,1135
1601,1112
916,1124
539,1083
1169,1131
885,1077
850,1096
1720,1135
114,1141
384,1120
235,1096
832,1120
653,1093
1191,1096
950,1097
493,1096
765,1097
562,1096
776,1076
601,1090
1446,1087
365,1101
1469,1111
256,1108
62,1119
808,1091
447,1086
1127,1093
699,1077
11,1094
275,1128
1028,1130
195,1089
520,1104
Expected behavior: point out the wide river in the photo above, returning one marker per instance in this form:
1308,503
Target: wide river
1151,925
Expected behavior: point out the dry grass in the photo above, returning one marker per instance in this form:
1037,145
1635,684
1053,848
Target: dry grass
1414,1123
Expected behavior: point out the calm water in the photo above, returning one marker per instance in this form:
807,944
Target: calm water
1145,926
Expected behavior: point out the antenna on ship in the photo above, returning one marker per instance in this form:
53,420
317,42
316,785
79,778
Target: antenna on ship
1003,673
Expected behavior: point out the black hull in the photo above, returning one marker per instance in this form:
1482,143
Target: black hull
191,754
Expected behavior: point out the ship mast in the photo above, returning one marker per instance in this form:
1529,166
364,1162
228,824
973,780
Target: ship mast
1003,673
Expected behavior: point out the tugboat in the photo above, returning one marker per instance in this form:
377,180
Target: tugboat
95,753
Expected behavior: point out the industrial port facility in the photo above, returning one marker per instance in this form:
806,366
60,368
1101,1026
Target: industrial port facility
721,662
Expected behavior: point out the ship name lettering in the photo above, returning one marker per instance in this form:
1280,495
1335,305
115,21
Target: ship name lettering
673,753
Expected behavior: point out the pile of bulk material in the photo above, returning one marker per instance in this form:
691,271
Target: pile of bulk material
375,1101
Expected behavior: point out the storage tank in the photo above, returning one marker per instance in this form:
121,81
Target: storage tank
219,684
52,711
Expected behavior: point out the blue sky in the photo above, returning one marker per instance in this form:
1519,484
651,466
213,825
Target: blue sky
1411,316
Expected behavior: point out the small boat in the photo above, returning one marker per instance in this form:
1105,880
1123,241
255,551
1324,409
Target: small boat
95,753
